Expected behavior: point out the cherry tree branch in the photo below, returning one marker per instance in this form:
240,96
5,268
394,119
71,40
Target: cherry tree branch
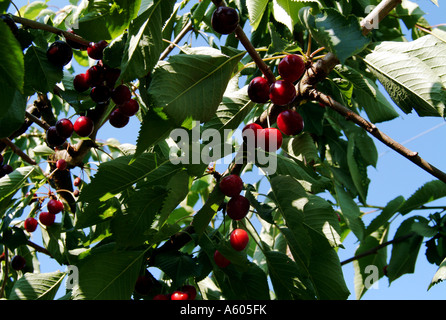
18,151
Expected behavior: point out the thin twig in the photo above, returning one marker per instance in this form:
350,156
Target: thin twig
18,151
38,248
40,123
188,27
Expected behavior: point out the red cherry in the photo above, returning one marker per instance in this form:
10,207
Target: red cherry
83,126
47,218
95,50
238,207
30,224
225,20
179,295
231,185
81,83
282,92
55,206
190,290
100,94
61,164
290,122
129,108
121,94
18,263
117,119
270,139
221,260
111,76
250,133
239,239
95,75
64,128
258,90
59,53
77,181
292,67
53,138
161,297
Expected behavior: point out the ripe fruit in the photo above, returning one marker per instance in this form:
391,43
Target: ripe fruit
83,126
239,239
117,119
59,53
231,185
61,164
64,128
282,92
30,224
179,295
291,68
53,138
47,218
121,94
111,75
80,82
129,108
18,263
55,206
250,133
258,90
238,207
100,94
161,297
225,20
270,139
290,122
221,260
77,181
190,290
95,50
143,285
95,75
7,169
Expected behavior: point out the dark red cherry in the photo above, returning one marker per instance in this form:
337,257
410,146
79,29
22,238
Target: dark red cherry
18,262
96,49
47,218
121,94
237,207
59,53
83,126
290,122
80,82
30,224
100,94
64,128
95,75
258,90
118,119
225,20
282,92
270,139
129,108
221,260
61,164
291,68
250,133
231,185
55,206
53,138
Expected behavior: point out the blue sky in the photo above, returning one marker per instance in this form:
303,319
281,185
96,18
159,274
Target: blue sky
393,176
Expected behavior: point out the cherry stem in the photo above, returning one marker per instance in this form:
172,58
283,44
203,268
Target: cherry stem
45,126
188,27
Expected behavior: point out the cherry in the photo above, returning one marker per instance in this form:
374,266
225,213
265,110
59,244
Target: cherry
221,260
18,262
59,53
95,75
282,92
129,108
270,139
231,185
239,239
83,126
47,218
143,285
179,295
290,122
292,67
111,76
161,297
53,138
30,224
55,206
237,207
61,164
77,181
121,94
100,94
64,128
251,131
118,119
190,290
7,169
95,50
80,82
225,20
258,90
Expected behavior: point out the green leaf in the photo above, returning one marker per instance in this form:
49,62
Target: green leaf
12,182
256,10
12,66
12,108
116,175
430,191
440,275
145,40
340,35
389,210
412,73
350,212
203,72
358,168
37,286
107,274
177,266
287,11
40,74
404,253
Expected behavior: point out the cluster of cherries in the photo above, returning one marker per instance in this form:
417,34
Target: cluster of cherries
5,168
